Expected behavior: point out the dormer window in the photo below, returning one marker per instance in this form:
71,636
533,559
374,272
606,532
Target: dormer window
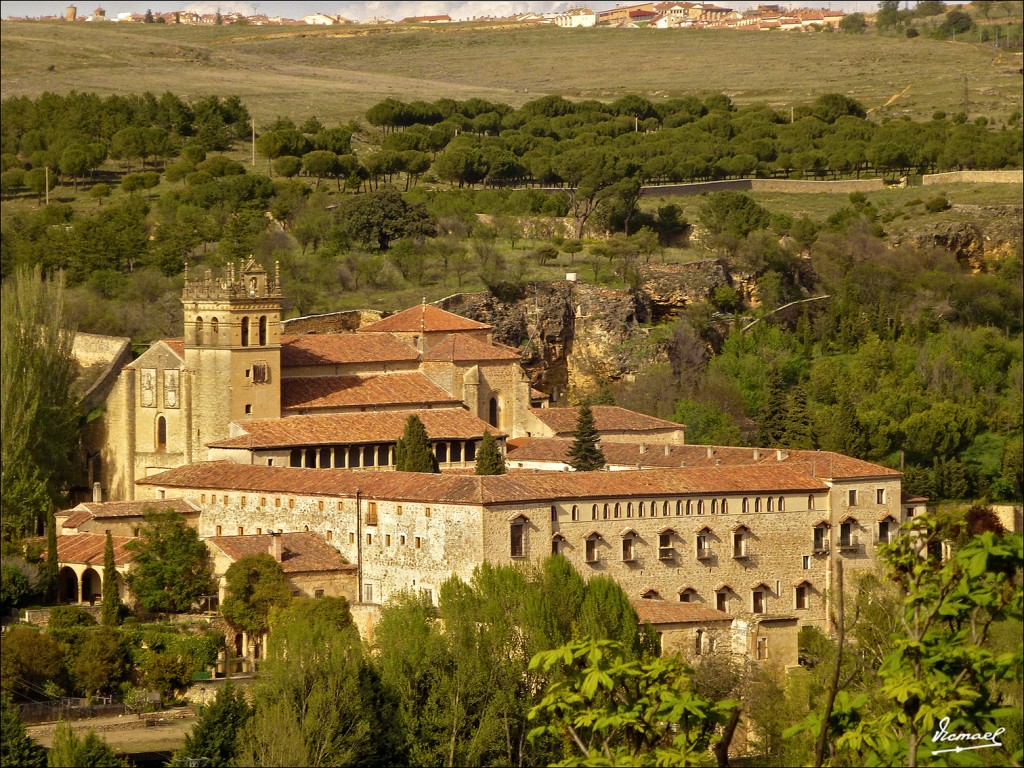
703,544
739,542
628,545
665,549
591,546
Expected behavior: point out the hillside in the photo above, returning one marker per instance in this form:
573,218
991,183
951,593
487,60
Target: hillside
337,75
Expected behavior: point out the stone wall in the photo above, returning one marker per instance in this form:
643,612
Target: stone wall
975,177
764,185
334,322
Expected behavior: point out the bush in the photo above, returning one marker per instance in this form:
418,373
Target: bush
65,617
912,33
936,204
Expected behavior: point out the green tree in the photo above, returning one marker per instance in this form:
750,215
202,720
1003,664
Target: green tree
30,660
853,24
611,709
90,751
255,586
489,460
585,454
412,452
16,747
38,406
101,661
379,217
215,734
167,672
732,213
14,586
111,593
171,565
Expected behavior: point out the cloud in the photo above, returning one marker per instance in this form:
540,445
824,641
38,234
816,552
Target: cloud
457,10
224,7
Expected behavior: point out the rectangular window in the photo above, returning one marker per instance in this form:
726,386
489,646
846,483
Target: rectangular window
270,462
291,503
401,539
852,498
318,593
554,514
371,513
367,593
801,597
686,596
241,531
351,538
369,538
591,550
263,501
722,602
627,549
820,545
217,531
339,505
161,494
426,511
277,501
387,540
665,549
320,505
516,540
762,648
703,550
417,542
259,531
739,545
330,535
225,498
758,601
398,509
846,536
883,532
202,498
880,496
807,562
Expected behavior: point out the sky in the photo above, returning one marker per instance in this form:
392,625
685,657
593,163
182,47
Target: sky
457,9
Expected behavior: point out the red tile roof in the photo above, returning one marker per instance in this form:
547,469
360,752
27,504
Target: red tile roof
88,548
458,347
423,318
177,346
607,418
352,391
818,463
105,509
342,348
488,490
300,552
355,428
672,612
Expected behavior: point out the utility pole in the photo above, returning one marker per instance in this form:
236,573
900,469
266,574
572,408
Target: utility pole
253,121
46,183
967,102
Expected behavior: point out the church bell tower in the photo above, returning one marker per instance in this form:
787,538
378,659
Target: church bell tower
232,350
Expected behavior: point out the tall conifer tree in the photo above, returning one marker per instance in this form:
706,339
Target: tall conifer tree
489,460
48,568
111,595
412,453
586,455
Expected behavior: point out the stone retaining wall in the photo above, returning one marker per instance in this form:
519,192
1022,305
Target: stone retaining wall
976,177
764,185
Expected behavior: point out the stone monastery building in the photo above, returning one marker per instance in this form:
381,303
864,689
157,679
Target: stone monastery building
259,433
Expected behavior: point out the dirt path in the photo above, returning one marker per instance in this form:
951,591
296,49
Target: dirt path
126,733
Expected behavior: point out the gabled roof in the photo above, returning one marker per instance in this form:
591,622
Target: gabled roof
607,418
671,612
484,490
342,348
424,318
410,389
87,548
114,509
458,347
300,552
355,428
177,346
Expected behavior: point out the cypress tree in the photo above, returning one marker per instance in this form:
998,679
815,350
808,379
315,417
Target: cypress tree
489,460
48,568
16,746
585,455
111,596
412,453
799,433
771,426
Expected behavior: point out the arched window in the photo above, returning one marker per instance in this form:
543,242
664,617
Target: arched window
700,507
493,412
698,642
214,332
575,512
199,331
770,504
664,509
593,512
618,510
782,503
725,507
810,501
745,506
245,331
757,504
161,433
263,330
679,508
714,506
640,510
604,512
629,509
689,506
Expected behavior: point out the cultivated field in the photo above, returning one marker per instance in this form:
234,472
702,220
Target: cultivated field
336,75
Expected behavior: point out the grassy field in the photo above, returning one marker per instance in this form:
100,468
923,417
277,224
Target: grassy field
336,75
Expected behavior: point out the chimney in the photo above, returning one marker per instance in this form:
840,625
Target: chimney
757,454
97,493
711,451
718,462
668,451
275,545
643,449
780,455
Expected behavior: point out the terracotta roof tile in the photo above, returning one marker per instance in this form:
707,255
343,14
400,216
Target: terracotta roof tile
342,348
300,552
488,490
426,318
355,428
672,612
458,347
107,509
87,548
177,346
607,418
370,391
820,463
77,518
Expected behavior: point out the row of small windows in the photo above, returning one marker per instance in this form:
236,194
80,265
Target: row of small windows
213,339
417,541
680,508
354,456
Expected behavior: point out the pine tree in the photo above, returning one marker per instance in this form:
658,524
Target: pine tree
798,422
48,568
16,746
771,425
215,734
111,595
412,453
489,460
585,454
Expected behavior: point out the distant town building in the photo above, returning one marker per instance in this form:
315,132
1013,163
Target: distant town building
577,17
